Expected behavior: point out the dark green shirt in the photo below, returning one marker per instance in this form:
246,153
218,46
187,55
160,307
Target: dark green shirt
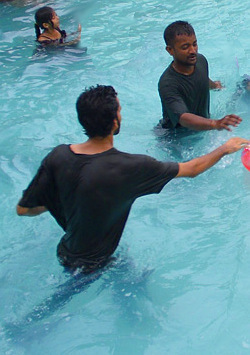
181,93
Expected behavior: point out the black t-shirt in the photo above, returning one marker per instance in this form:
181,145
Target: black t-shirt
181,93
90,196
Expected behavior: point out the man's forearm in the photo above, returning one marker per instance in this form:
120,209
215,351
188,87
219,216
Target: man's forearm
197,166
201,164
199,123
196,123
30,212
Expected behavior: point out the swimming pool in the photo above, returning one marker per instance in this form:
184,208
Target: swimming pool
180,284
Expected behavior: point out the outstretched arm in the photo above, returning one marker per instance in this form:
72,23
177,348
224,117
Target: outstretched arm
197,166
198,123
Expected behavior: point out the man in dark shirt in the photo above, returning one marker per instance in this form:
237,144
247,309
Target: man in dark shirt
89,188
184,85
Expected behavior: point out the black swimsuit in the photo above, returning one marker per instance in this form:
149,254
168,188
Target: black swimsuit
60,40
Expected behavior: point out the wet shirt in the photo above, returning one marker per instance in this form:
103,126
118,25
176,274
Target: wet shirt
181,93
90,196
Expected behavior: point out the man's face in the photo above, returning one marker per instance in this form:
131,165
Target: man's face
184,50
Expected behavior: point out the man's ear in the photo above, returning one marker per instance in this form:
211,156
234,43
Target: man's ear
115,124
169,49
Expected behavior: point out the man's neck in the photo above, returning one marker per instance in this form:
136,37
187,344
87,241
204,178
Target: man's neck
93,145
183,69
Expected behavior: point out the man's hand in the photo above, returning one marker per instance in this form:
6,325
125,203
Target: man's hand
225,122
215,85
235,144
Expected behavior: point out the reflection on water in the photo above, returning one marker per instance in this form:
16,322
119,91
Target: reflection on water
178,143
124,281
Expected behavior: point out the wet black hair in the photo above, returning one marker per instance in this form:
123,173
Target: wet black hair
246,80
43,15
177,28
97,109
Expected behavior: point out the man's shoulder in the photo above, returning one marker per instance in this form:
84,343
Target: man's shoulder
139,159
57,152
133,158
201,65
59,149
168,77
201,58
128,156
146,164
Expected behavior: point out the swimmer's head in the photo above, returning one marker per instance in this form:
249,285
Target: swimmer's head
175,29
97,108
44,18
246,82
44,15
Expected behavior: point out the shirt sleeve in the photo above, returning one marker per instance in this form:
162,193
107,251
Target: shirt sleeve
173,105
43,191
37,192
153,175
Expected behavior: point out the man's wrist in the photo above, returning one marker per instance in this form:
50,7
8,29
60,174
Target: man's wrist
213,124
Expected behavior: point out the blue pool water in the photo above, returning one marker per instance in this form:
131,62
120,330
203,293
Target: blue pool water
180,284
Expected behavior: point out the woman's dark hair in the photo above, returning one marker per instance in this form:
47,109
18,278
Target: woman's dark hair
43,15
177,28
97,109
246,80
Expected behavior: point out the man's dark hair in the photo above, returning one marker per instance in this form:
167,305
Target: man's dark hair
97,109
177,28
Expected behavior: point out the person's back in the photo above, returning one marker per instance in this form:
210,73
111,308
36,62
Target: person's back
90,196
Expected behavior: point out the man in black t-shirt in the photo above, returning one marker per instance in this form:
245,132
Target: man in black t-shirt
184,85
89,188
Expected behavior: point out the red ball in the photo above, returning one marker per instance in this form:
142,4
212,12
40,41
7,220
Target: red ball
245,157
